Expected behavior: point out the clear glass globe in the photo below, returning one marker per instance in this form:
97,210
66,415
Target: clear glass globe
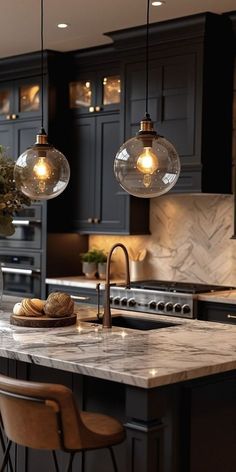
147,166
41,172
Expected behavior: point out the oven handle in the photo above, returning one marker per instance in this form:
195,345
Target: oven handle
21,222
12,270
25,222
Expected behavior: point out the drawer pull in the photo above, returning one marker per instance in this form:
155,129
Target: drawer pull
77,297
90,220
231,316
91,109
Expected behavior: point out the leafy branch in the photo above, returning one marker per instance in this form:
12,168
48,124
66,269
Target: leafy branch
11,199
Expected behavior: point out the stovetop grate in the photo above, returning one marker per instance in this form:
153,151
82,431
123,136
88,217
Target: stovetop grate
180,287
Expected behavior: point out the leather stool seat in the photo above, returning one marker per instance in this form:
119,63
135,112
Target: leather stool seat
45,416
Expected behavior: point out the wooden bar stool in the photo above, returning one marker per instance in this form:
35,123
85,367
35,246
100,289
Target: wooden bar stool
45,416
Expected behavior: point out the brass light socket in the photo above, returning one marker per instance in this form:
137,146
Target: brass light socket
41,139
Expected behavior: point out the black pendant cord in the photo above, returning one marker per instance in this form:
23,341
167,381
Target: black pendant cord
147,58
42,81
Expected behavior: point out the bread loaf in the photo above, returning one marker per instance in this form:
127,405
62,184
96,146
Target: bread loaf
32,307
59,304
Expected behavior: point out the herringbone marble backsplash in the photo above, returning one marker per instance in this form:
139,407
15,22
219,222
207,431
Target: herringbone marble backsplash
190,240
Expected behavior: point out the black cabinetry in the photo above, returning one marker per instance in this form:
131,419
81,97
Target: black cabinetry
100,205
190,94
79,294
24,256
215,311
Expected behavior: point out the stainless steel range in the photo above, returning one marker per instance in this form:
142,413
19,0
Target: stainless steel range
161,297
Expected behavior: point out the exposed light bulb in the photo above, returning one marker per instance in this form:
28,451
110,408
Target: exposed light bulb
147,164
41,172
42,169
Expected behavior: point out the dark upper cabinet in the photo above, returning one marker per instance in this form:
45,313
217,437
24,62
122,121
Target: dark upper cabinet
20,99
96,96
190,94
100,205
17,136
94,91
20,121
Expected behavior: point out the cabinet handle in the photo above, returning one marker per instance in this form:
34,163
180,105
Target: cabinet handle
14,116
91,109
8,117
75,297
231,316
98,108
90,220
96,220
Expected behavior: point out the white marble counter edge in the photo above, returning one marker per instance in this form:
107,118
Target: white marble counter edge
143,359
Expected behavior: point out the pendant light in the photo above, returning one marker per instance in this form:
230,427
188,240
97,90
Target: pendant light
41,172
147,165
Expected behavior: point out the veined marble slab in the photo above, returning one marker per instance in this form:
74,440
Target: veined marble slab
145,359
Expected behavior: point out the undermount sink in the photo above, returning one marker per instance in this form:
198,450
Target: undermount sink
136,323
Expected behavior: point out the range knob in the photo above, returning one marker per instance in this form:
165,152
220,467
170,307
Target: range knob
161,306
111,299
152,305
123,301
186,309
177,308
116,300
169,306
131,302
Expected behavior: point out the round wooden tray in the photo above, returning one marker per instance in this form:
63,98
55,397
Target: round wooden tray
43,321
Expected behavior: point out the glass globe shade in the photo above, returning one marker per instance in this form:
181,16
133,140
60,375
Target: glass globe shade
147,165
41,172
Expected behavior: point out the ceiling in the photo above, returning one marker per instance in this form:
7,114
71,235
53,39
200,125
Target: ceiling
88,20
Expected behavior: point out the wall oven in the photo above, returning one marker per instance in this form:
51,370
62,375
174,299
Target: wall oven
21,273
28,229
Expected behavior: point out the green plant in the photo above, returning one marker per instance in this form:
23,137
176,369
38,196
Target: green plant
94,255
11,199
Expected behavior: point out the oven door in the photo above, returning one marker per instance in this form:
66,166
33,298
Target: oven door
21,274
28,229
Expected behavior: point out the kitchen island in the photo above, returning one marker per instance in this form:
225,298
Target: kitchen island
174,388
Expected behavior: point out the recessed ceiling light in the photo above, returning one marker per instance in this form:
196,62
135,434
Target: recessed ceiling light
62,25
156,3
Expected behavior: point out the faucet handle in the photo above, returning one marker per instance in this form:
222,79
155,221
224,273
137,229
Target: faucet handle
98,301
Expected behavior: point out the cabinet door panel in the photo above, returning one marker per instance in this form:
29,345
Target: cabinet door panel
84,171
110,192
171,101
6,138
27,98
24,136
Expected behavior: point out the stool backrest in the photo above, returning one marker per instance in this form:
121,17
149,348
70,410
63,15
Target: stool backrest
41,415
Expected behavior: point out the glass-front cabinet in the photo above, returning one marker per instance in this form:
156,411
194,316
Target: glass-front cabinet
95,92
20,99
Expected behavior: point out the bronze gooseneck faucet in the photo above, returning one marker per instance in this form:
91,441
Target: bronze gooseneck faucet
107,322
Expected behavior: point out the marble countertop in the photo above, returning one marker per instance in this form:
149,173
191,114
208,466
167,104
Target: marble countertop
78,281
189,350
226,296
